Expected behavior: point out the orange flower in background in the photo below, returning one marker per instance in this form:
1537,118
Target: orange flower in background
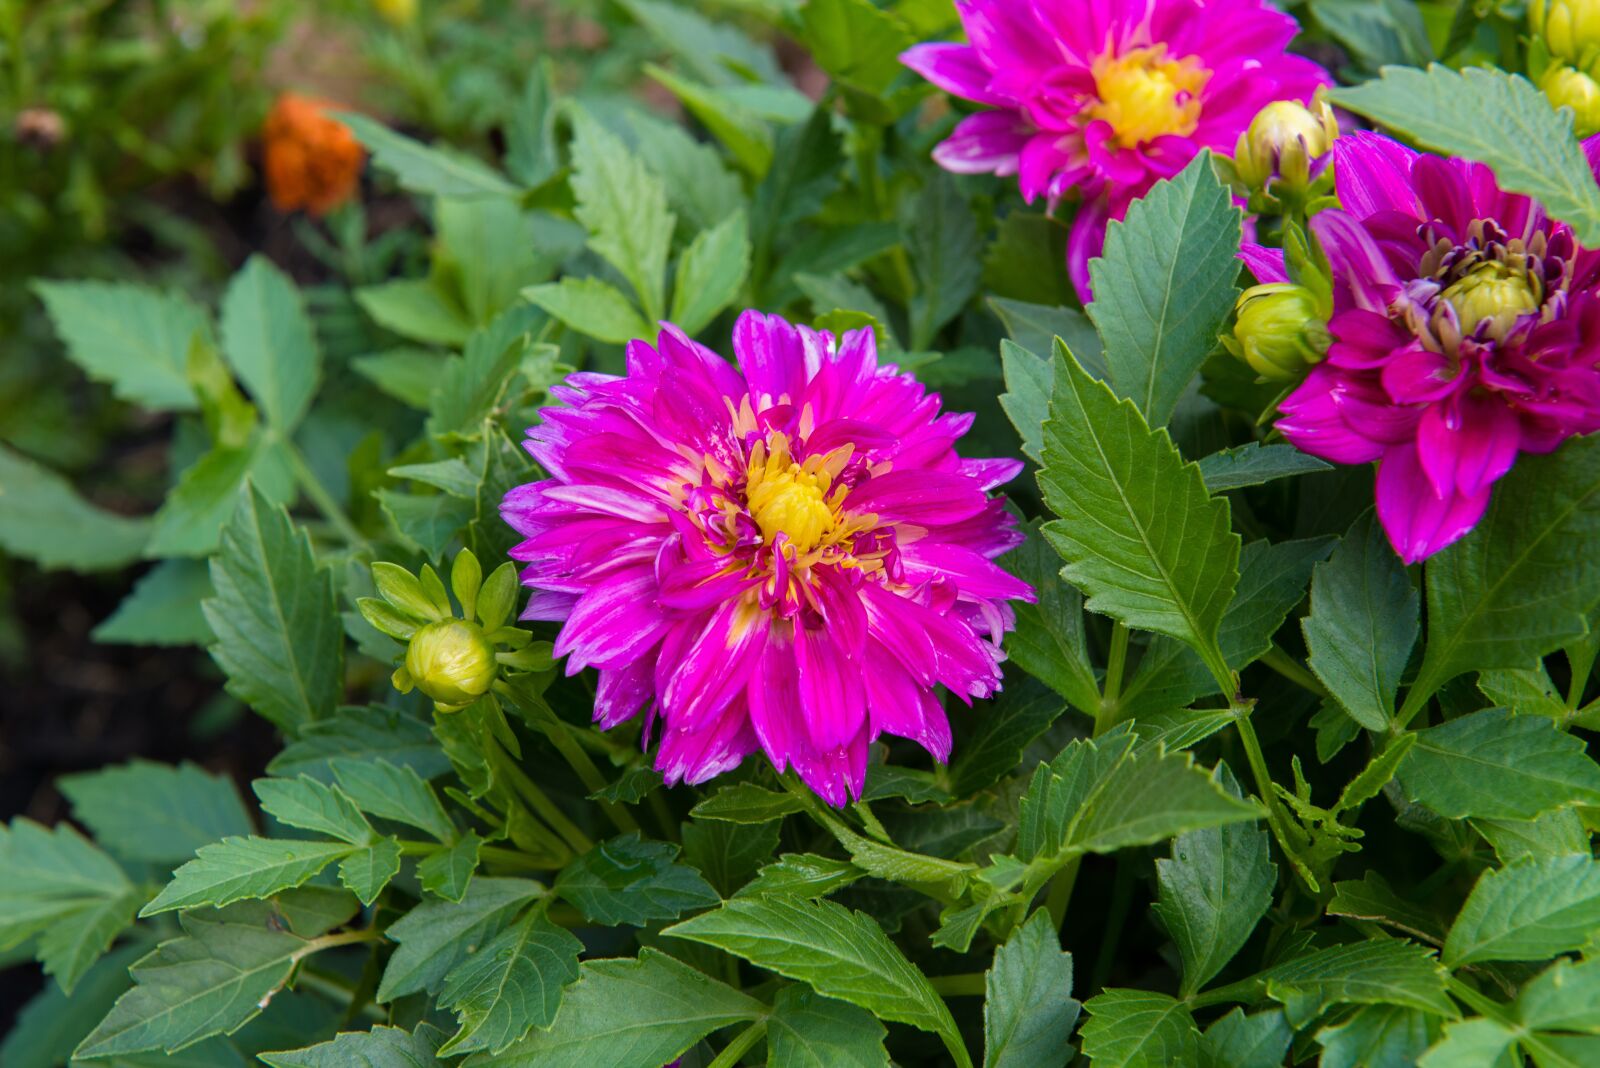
311,161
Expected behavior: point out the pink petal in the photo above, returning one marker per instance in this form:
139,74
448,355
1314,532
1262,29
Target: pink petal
1419,521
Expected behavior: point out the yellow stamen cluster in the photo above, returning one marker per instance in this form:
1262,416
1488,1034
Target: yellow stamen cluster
799,500
1144,94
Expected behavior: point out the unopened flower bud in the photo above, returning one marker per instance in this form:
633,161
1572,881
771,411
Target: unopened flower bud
1568,87
1279,331
451,661
1570,28
396,12
1285,145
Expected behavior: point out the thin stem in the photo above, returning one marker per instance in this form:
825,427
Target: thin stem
1060,894
1289,668
741,1044
570,832
560,734
1276,818
1111,691
966,984
314,489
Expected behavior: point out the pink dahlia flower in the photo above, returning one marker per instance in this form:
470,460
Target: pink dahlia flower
1109,96
788,555
1466,329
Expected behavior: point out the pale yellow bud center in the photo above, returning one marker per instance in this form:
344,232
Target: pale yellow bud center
1498,292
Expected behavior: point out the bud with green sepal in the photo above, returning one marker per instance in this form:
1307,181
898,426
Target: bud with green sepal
1283,157
1568,87
452,659
1279,330
1568,29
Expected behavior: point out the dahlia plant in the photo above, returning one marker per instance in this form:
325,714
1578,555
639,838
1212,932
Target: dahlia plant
1031,533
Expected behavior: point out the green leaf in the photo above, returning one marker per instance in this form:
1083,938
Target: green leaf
210,980
452,475
1138,1029
711,272
1164,287
50,1026
1362,625
1377,32
437,935
1215,888
1555,833
1256,464
448,872
1372,898
438,172
1377,1036
313,806
405,374
472,384
43,519
592,307
747,803
278,634
807,1030
624,208
855,42
1137,528
942,240
1496,118
624,1013
715,51
394,792
632,880
1499,765
511,985
235,869
1525,692
381,1047
366,872
1035,327
1026,400
804,171
1049,641
426,522
801,875
132,337
728,854
633,786
1531,909
1240,1041
489,250
59,886
1478,1043
1002,732
700,187
1027,261
843,954
269,342
191,520
163,609
358,734
418,309
1521,584
1028,1010
747,137
155,812
1376,972
1563,997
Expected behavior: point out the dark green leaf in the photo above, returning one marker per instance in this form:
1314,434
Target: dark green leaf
1531,909
436,935
1499,765
1563,997
711,273
236,869
155,812
942,239
807,1030
1028,1010
1255,464
1377,1036
1377,972
747,803
448,872
729,853
511,985
1240,1041
163,609
314,806
50,1026
633,880
1049,641
358,734
1138,1029
367,871
381,1047
394,792
1008,725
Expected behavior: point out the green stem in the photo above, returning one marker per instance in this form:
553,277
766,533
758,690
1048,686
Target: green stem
1289,668
1111,690
741,1044
314,489
663,815
967,984
1277,820
525,787
337,992
561,736
870,822
1060,894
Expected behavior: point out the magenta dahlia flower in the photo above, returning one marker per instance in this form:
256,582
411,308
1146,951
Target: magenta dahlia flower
788,555
1109,96
1466,329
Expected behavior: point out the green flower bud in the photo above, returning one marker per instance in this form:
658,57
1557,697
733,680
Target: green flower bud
1284,144
1568,87
1570,28
451,661
1279,330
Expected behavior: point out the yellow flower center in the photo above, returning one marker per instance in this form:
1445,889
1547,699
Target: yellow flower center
1497,291
1145,95
793,498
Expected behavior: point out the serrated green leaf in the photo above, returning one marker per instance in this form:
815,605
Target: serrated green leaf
728,854
1376,972
1164,287
841,953
278,634
1377,1036
1049,641
156,812
807,1030
1477,1043
801,875
632,880
235,869
1377,32
472,384
1027,261
1560,831
394,792
422,169
1026,400
1531,909
1138,1029
855,42
1256,464
268,340
1137,528
163,609
715,51
711,272
419,309
407,375
436,935
1563,997
667,1007
511,985
747,803
624,208
1240,1041
592,307
1028,1010
633,786
1372,898
1499,765
1526,691
489,249
700,187
1034,327
1497,118
381,1047
132,337
448,872
367,871
314,806
942,240
426,522
1010,723
191,521
43,519
1362,625
356,734
52,1023
1215,887
747,137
